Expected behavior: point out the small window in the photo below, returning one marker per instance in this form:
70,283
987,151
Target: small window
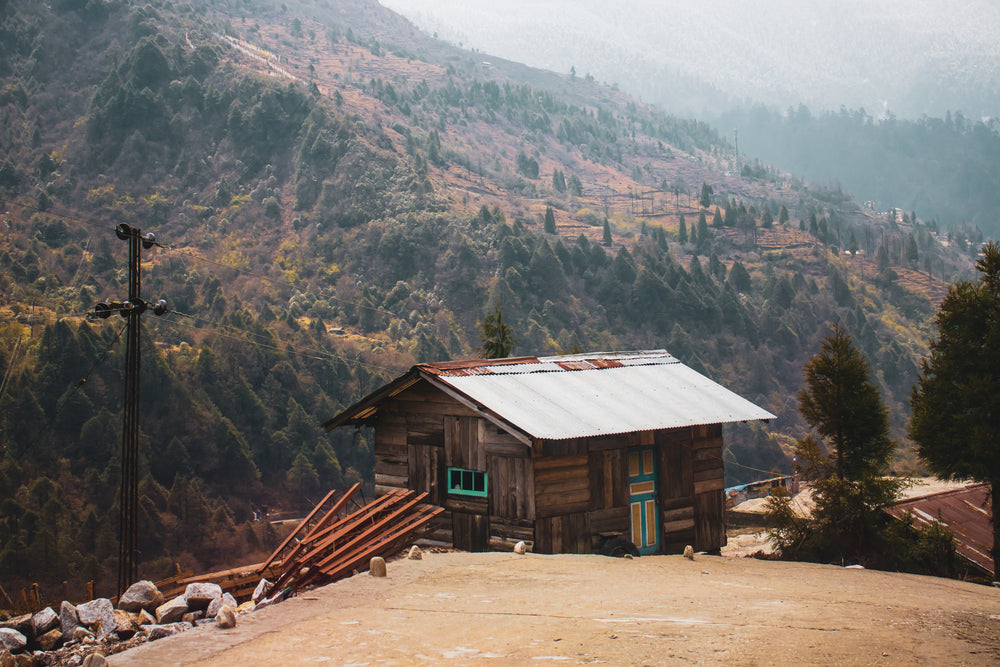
467,482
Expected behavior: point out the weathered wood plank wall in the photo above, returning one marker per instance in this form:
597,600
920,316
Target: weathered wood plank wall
562,494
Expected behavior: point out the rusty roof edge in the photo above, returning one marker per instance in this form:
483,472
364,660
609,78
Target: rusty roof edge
433,367
460,396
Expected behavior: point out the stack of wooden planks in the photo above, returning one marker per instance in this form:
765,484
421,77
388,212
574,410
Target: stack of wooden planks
329,545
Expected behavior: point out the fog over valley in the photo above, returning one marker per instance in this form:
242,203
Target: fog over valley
907,57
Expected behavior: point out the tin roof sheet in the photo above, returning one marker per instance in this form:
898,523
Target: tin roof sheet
595,394
965,512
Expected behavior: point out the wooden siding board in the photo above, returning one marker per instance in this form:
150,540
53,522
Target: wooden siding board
392,468
566,533
425,429
391,480
675,464
427,472
708,485
611,520
710,529
466,504
511,487
470,532
556,462
500,443
602,443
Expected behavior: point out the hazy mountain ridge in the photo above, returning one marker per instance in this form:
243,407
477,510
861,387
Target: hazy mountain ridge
883,55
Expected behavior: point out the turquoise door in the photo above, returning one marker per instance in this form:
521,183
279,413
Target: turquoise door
642,499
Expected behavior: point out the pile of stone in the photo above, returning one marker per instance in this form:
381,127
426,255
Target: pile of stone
69,636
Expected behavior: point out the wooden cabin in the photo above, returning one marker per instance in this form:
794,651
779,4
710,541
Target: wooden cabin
561,452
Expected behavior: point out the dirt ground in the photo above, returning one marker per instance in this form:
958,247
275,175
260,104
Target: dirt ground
501,608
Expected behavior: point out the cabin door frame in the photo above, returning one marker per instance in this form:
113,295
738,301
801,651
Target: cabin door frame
642,499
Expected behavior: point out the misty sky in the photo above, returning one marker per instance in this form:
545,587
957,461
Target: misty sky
911,57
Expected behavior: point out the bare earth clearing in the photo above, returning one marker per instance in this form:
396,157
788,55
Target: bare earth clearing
500,608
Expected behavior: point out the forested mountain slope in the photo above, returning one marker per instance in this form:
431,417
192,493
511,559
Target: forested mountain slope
339,197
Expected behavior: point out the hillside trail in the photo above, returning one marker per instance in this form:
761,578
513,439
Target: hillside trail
501,608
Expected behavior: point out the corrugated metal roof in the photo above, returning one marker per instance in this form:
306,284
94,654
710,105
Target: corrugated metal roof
965,512
595,394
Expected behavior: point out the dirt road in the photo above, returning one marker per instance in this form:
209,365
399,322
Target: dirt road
500,608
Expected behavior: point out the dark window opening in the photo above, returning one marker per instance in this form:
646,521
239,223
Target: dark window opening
467,482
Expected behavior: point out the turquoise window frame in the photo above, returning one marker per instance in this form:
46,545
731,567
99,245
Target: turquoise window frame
465,482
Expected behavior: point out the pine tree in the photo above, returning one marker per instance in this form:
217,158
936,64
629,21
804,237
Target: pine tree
497,338
550,220
706,195
682,230
558,181
847,465
607,240
956,418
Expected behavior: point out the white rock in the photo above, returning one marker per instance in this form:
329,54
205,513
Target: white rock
166,630
141,595
376,567
415,553
171,612
68,620
200,595
12,640
227,617
218,603
45,620
98,615
261,591
689,552
95,660
520,548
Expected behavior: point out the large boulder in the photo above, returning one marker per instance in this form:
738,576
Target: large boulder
68,620
45,620
95,660
218,603
141,595
12,640
199,595
98,615
171,612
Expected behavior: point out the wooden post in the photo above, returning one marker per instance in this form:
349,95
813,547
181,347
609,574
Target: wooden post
35,598
7,598
90,590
